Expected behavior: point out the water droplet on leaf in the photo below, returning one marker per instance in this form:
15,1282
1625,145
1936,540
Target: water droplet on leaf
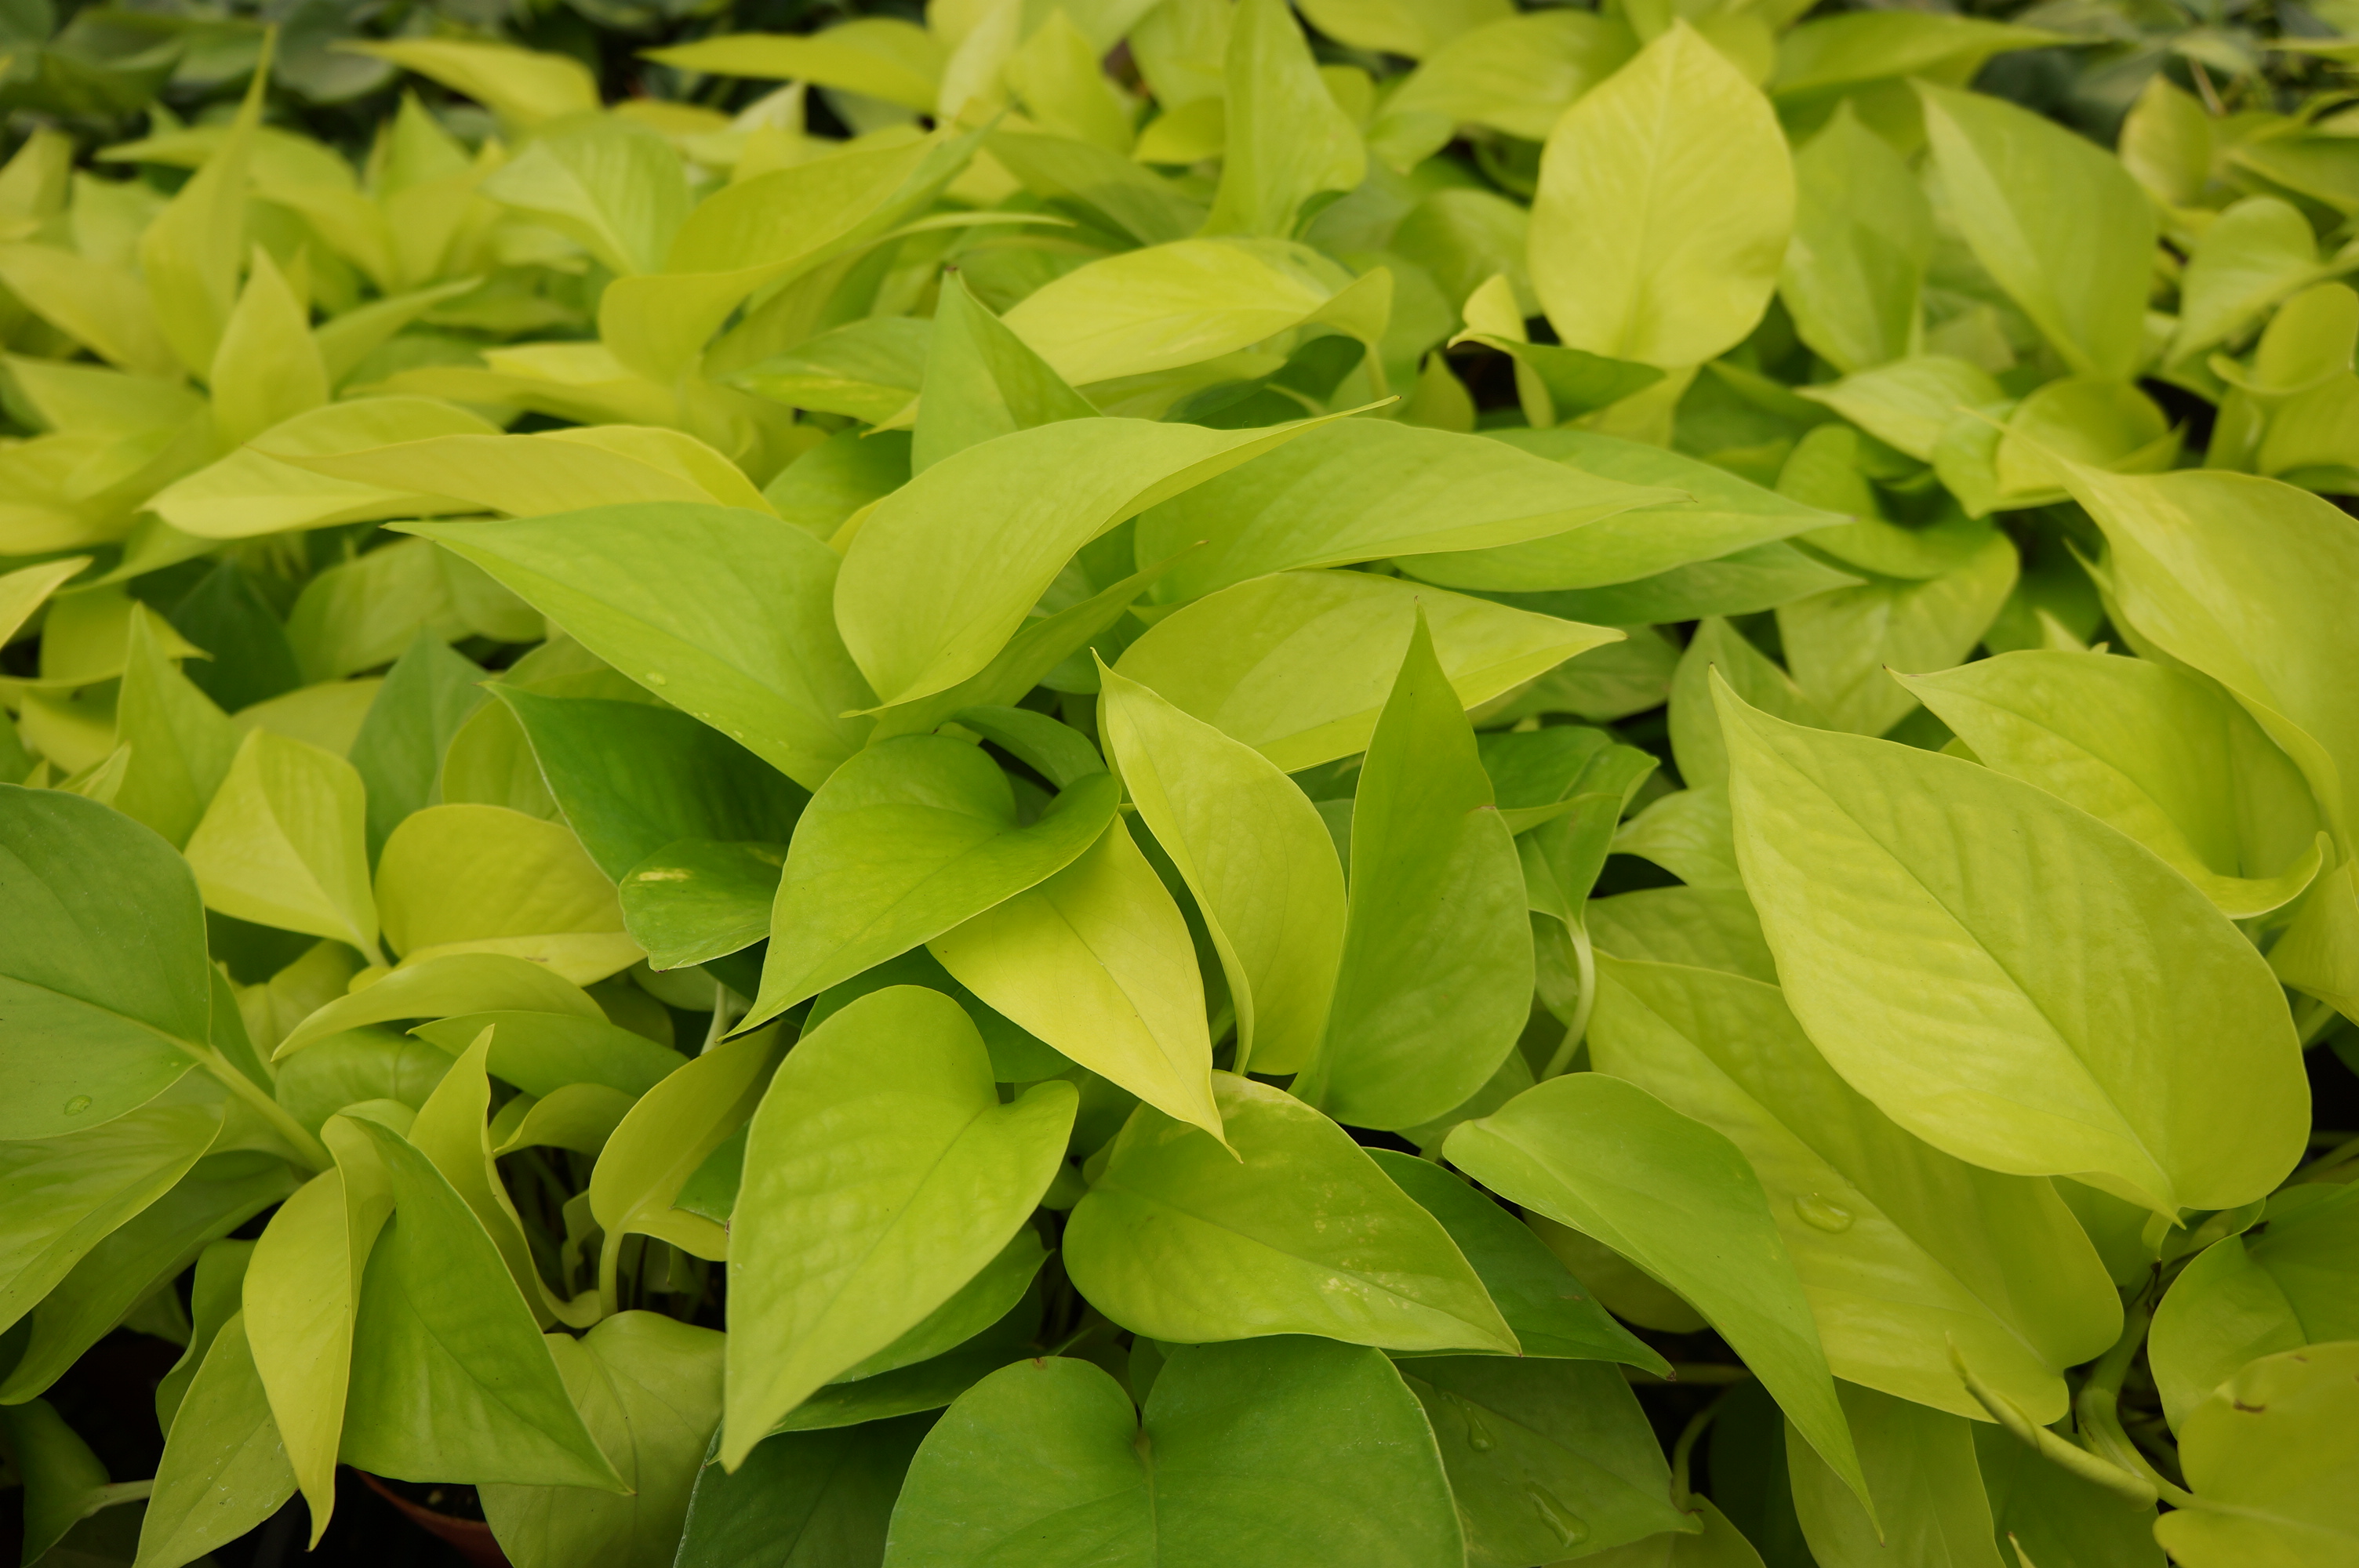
1820,1214
1569,1527
655,677
77,1105
1478,1432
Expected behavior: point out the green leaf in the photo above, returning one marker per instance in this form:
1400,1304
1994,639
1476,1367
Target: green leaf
426,697
2285,1286
2217,570
633,584
2268,1456
139,1257
926,599
63,1197
267,369
103,992
225,1469
1696,744
1047,1461
439,988
450,1377
649,1390
1254,853
1690,154
981,381
802,1499
697,899
484,879
2058,224
1096,961
523,87
1907,404
541,1052
1920,1463
665,1140
2045,1513
1431,992
912,838
2166,756
252,493
1543,1303
63,1481
1855,275
1842,644
1297,1232
283,843
926,1386
1363,489
1544,1458
1677,1199
1725,517
1295,664
633,778
1016,1056
879,57
1289,140
882,1174
613,187
1707,928
1902,1250
2054,1046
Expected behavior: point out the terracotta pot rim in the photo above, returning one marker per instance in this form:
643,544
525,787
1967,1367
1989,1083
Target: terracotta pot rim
471,1537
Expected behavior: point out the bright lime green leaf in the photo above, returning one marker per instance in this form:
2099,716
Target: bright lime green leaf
672,1131
267,369
2058,223
1902,1249
882,1174
450,1128
180,743
2133,1038
1847,50
440,987
1242,659
1252,849
1516,75
1718,1544
450,1375
2247,1296
1842,644
1921,1465
1688,156
1096,961
523,87
1704,927
2166,756
283,843
613,187
2096,421
926,599
1678,1199
1907,404
631,583
1432,988
225,1469
649,1390
251,492
483,879
1725,515
2244,578
1045,1460
1288,138
981,381
1855,275
1297,1232
1696,744
189,255
910,838
305,1278
882,57
556,470
1366,489
1412,28
2269,1457
1183,303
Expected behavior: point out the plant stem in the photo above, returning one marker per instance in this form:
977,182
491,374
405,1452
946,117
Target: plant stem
1684,1448
2098,1406
308,1148
1584,967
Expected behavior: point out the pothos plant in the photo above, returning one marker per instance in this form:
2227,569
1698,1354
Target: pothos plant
1234,812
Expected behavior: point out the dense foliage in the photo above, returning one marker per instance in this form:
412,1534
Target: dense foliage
1126,786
